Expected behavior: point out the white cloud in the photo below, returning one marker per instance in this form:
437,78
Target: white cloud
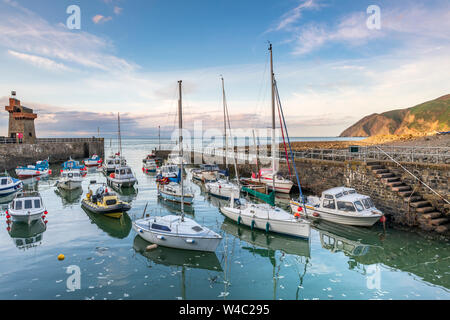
26,32
100,19
118,10
39,61
291,17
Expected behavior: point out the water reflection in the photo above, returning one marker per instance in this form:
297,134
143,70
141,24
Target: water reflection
183,259
175,207
69,197
274,242
405,251
116,228
26,236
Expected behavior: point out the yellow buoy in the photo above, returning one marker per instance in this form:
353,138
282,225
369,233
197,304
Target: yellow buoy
61,257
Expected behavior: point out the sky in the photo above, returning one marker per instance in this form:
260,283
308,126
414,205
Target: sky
331,67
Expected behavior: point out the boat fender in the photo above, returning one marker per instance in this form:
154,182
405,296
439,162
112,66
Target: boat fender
151,247
267,227
239,220
190,241
160,237
316,214
253,224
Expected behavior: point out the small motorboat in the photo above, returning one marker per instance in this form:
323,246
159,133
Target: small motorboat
93,161
171,191
40,169
152,156
9,185
70,179
266,217
265,176
206,173
113,161
149,166
104,202
176,231
74,165
340,205
175,159
26,207
168,172
123,177
223,189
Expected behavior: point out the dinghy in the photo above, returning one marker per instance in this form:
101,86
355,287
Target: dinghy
104,202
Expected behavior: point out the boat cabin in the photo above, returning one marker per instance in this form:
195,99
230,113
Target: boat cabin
209,167
123,173
345,199
70,174
4,181
27,201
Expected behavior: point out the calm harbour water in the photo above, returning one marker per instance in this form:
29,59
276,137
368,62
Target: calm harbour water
336,263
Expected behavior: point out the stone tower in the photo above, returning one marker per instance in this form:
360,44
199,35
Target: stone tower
21,121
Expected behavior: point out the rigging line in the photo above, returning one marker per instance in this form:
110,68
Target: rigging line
415,177
290,147
231,137
284,142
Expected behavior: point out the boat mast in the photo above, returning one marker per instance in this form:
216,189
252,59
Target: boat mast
225,138
118,131
272,76
180,128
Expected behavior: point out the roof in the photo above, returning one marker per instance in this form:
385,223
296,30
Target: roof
336,190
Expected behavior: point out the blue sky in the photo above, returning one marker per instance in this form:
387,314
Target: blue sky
331,68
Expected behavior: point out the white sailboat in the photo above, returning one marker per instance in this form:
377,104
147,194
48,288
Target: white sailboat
224,188
264,216
177,231
115,159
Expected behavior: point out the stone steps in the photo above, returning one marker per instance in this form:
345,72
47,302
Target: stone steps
420,204
379,171
439,221
372,163
425,209
405,194
413,199
385,175
394,183
401,188
428,218
430,215
443,228
393,179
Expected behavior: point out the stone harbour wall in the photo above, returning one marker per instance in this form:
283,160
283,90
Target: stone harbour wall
57,150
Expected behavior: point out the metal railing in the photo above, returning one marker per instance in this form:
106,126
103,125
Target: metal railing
4,140
63,140
436,155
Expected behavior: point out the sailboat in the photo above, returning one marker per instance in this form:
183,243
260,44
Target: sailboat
224,188
177,231
115,160
122,175
264,216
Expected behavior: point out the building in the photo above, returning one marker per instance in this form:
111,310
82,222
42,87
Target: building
21,121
